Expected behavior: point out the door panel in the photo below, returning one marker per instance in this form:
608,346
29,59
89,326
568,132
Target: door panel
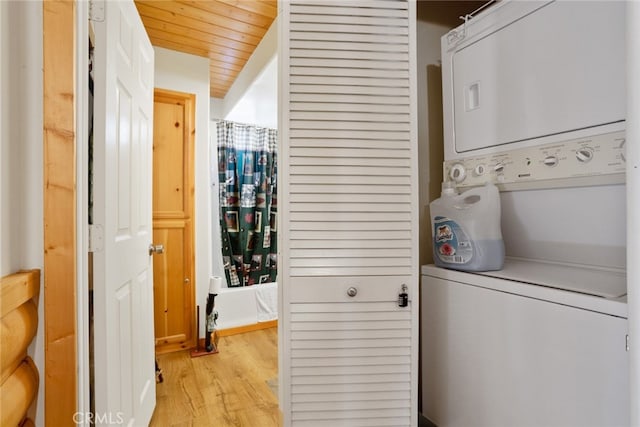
174,288
349,180
171,294
123,279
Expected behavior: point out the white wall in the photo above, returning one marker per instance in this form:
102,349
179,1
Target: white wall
252,97
21,189
429,134
259,105
190,74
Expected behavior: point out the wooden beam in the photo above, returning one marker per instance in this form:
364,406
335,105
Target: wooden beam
60,369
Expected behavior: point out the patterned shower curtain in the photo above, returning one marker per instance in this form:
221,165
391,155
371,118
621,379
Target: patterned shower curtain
247,166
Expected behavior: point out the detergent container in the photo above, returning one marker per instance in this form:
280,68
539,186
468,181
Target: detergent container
466,229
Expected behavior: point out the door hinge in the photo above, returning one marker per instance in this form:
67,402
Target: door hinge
96,238
96,10
626,342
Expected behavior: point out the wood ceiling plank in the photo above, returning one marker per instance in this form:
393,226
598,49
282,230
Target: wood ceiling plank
262,7
222,76
217,94
178,34
222,72
219,35
223,22
219,90
228,62
196,46
220,84
223,9
236,66
168,44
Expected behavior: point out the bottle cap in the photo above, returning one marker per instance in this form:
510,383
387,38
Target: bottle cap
448,187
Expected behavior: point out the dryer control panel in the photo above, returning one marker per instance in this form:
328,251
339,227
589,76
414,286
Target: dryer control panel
592,160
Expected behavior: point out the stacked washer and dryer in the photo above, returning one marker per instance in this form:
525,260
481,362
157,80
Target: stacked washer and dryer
534,101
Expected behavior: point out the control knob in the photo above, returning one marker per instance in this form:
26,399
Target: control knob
550,161
584,155
479,170
457,172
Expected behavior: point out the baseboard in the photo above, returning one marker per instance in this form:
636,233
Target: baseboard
173,347
246,328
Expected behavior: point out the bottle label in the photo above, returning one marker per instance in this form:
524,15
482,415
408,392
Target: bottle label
452,245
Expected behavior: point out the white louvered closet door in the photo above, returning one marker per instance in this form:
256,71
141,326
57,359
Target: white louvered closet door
348,211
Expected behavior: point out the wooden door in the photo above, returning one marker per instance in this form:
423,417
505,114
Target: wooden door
123,276
349,219
173,216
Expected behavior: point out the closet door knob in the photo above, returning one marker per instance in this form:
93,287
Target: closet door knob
352,292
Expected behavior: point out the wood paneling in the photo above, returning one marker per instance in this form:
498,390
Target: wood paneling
60,246
227,32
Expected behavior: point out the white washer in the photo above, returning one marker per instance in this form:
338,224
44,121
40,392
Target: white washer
498,350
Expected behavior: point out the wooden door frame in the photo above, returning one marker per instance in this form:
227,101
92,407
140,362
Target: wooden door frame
59,213
189,129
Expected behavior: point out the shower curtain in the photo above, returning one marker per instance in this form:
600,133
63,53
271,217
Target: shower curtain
247,166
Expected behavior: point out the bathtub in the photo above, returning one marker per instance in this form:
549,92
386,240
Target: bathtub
246,305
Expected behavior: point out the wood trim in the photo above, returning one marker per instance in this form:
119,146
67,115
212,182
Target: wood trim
247,328
60,245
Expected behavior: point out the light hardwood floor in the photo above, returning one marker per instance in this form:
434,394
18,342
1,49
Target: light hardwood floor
227,389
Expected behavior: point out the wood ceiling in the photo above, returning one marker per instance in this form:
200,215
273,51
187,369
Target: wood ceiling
225,31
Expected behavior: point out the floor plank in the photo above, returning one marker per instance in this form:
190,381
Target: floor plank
227,389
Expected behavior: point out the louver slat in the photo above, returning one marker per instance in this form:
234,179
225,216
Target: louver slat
349,219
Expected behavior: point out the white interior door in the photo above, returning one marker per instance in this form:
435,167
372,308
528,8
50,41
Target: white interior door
123,271
349,228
